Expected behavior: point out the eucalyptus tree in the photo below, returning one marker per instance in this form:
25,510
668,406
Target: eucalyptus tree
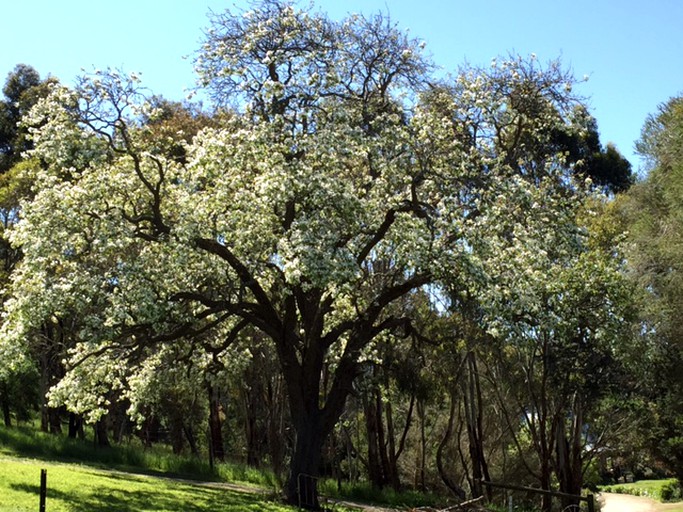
559,330
338,187
652,212
548,299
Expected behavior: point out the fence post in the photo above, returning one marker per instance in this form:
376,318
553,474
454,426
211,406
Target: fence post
43,489
591,503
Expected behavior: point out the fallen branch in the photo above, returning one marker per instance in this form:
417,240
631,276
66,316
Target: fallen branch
461,506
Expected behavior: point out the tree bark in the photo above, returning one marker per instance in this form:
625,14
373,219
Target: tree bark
372,426
302,485
217,451
191,439
475,431
75,426
101,434
445,478
4,399
569,462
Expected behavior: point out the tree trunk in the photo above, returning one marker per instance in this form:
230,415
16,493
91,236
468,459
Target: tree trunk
569,462
176,433
101,434
313,423
372,410
422,455
216,449
55,419
302,488
252,436
546,477
276,431
445,478
4,399
75,426
475,431
191,439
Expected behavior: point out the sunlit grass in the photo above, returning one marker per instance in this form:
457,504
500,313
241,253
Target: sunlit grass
26,441
79,488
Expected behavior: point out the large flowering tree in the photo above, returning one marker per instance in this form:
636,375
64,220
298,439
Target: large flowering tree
340,182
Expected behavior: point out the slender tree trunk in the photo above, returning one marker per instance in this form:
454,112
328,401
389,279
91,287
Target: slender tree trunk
480,425
217,452
381,438
546,500
474,420
422,455
177,434
276,431
51,370
54,415
74,421
101,433
569,461
372,427
191,439
4,399
445,478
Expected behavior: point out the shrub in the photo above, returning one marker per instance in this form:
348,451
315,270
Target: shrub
671,491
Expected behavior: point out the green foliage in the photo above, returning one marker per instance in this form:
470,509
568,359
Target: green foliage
663,490
366,493
653,211
671,491
23,88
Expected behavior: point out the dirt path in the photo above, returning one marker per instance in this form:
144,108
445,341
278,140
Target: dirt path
626,503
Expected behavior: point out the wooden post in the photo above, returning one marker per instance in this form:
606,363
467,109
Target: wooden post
591,503
43,489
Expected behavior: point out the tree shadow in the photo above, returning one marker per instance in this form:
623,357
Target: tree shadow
166,498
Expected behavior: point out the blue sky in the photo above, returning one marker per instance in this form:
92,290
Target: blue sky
631,50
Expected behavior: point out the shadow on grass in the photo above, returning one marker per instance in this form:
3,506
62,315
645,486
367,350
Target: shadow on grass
24,441
181,498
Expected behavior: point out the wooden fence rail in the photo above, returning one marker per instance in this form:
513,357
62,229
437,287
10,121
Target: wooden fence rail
590,500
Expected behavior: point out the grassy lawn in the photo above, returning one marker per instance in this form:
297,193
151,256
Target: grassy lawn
28,442
77,488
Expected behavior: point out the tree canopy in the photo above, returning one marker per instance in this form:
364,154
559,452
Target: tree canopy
652,212
336,182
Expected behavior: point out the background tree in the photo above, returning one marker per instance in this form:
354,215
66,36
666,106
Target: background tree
608,170
19,392
22,90
652,210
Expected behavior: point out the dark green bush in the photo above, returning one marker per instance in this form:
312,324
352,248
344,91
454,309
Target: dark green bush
671,491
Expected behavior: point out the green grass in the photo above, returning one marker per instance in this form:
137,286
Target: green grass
56,452
27,441
79,488
365,493
126,477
